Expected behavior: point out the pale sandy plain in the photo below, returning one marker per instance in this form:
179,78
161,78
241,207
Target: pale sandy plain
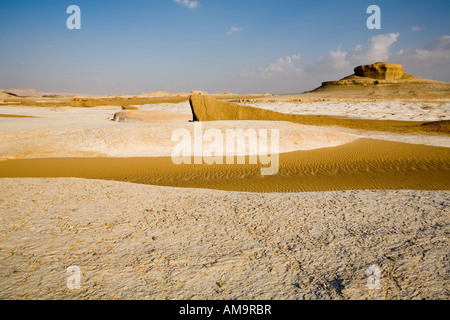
136,241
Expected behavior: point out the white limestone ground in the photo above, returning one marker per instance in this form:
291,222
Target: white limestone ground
87,132
82,132
379,110
144,242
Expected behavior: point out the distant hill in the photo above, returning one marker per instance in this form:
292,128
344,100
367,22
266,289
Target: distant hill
30,93
383,79
4,95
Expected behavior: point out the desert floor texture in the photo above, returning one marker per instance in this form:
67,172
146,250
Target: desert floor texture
92,186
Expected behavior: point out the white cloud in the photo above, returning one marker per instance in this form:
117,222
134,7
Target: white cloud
431,61
415,28
188,4
234,30
433,53
281,66
442,44
436,53
336,64
286,74
376,50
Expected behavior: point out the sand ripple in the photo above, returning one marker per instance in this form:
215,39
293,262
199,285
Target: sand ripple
363,164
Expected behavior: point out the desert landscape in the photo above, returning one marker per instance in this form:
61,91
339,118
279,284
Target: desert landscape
363,182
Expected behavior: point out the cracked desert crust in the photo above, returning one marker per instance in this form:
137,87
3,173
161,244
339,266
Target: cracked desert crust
135,241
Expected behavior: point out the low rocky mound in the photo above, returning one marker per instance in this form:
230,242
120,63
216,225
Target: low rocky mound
30,93
24,93
383,79
379,73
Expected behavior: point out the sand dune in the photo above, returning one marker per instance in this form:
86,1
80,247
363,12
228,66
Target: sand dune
363,164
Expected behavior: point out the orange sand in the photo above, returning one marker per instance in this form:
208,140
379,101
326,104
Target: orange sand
363,164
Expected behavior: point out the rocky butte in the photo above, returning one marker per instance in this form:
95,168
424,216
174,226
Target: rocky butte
382,80
380,70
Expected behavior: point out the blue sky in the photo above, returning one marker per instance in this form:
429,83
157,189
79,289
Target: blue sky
283,46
